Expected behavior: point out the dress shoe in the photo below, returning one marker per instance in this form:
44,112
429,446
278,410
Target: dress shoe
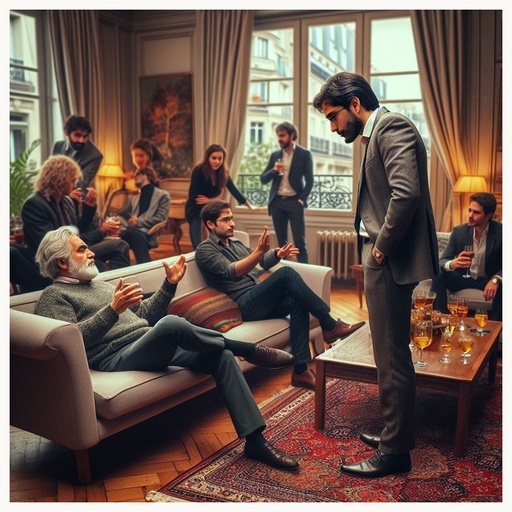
304,380
342,330
270,357
379,464
370,440
271,455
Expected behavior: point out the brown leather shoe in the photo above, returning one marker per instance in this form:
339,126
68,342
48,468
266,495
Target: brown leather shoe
272,456
304,380
342,330
270,357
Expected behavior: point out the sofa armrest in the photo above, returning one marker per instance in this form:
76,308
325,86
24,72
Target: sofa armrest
317,277
51,391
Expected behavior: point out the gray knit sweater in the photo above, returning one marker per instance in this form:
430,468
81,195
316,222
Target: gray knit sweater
103,330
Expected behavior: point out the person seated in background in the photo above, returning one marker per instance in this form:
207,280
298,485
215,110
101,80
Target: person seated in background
143,211
56,202
123,332
483,263
79,147
230,266
144,154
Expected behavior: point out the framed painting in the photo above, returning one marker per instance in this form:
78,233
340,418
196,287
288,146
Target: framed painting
166,119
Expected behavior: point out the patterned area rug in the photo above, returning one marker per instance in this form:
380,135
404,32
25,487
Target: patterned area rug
352,408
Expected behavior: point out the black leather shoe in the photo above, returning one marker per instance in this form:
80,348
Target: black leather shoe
379,464
270,357
272,456
370,440
342,330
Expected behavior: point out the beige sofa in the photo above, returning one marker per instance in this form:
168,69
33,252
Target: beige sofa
54,394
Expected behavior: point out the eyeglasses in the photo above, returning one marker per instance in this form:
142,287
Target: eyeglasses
226,219
332,116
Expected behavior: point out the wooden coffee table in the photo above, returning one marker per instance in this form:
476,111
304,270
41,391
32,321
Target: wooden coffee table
352,359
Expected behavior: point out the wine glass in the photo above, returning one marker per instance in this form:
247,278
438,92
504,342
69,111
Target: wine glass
113,219
468,248
420,299
422,338
462,308
481,318
465,342
446,345
279,167
453,323
415,316
452,304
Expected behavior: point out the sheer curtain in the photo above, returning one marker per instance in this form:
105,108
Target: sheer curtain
443,39
76,51
225,49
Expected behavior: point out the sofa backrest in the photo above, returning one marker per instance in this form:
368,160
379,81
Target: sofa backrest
442,241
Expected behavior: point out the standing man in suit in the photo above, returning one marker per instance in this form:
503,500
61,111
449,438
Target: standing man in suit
395,224
291,171
79,147
486,267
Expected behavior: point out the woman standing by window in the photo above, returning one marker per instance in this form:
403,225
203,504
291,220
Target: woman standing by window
209,180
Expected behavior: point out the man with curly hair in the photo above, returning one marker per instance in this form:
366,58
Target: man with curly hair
56,202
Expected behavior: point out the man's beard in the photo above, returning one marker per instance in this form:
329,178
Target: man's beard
83,272
77,146
353,129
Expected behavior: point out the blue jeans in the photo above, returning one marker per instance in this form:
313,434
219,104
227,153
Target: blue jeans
175,342
284,293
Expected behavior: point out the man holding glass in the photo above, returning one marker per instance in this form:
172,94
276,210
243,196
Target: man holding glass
484,268
396,231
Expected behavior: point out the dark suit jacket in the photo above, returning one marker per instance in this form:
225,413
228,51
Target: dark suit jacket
300,176
394,199
463,235
40,216
89,159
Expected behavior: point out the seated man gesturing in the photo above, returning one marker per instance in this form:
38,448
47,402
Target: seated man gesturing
116,325
230,266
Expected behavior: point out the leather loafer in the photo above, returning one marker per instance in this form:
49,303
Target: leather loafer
270,357
379,464
304,380
272,456
342,330
370,440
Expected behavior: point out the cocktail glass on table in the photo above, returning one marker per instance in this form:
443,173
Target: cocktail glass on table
446,345
465,342
422,338
481,318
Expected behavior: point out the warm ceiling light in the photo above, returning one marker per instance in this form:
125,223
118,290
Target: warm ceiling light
471,183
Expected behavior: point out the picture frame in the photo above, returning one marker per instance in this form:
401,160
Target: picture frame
167,120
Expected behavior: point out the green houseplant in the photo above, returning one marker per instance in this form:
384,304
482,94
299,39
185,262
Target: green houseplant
22,173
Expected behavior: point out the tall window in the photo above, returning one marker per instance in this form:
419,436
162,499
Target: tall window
32,97
380,48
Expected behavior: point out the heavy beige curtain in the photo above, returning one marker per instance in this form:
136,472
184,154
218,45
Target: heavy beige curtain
76,53
225,48
450,83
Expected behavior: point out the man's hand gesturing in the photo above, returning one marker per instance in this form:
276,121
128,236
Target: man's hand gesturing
175,272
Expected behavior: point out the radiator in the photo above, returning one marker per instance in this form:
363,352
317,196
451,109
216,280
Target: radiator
338,250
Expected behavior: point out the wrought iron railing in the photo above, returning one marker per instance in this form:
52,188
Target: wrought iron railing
330,191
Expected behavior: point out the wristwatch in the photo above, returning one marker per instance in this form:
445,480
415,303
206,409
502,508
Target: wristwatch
495,280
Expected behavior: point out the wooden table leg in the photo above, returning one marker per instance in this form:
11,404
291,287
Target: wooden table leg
320,395
463,405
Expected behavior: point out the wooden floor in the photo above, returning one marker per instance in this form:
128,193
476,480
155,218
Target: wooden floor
126,466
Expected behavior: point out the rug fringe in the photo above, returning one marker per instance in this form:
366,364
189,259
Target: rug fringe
158,497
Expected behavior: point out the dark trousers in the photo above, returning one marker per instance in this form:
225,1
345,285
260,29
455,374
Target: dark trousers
114,251
175,342
290,211
454,282
389,309
138,242
284,293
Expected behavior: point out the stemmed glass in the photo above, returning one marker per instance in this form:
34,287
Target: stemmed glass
422,338
452,304
465,342
468,248
481,318
462,309
446,345
420,299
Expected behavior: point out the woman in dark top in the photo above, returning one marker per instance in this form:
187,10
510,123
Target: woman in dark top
209,180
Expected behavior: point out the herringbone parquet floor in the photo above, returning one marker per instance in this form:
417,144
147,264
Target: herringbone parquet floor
129,464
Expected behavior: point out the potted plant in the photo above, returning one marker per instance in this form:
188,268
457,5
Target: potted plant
22,173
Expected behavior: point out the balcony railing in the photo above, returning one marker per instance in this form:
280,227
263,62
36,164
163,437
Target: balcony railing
330,191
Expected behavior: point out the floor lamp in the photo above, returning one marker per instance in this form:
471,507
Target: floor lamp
466,185
110,177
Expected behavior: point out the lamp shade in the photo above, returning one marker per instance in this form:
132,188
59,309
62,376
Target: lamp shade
471,183
111,171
